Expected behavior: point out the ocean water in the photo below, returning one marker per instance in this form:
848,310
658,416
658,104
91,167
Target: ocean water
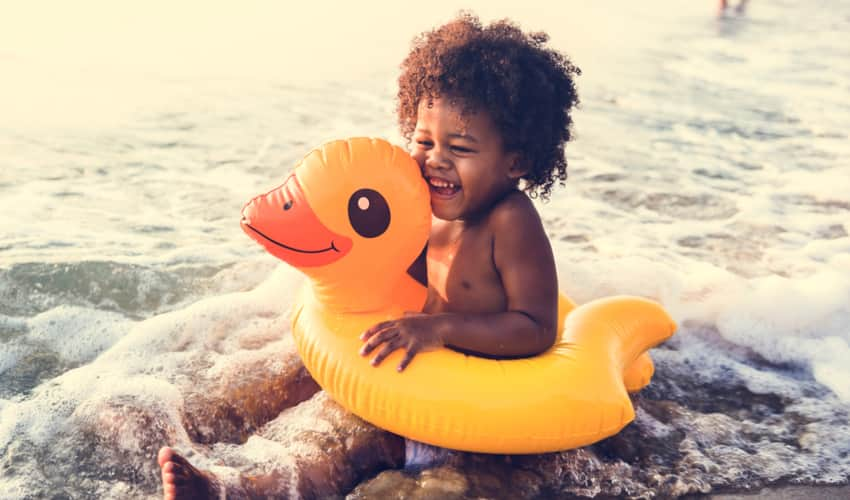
709,171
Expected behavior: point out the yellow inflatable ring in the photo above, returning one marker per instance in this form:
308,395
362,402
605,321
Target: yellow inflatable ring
352,216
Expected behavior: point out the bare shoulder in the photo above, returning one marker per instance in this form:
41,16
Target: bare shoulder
515,211
518,233
522,254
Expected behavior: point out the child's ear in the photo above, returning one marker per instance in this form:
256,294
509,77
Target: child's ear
518,167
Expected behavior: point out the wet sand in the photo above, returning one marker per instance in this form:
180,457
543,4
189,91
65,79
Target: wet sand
789,493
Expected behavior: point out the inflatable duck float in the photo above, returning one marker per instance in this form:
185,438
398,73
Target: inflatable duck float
353,215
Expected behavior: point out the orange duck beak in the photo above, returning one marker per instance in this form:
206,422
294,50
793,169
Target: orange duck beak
283,222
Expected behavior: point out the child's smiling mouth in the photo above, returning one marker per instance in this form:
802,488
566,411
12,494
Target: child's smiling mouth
442,187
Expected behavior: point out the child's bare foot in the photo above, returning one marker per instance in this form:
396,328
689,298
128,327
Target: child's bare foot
181,480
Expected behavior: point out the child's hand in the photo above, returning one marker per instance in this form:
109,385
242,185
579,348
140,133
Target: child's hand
414,332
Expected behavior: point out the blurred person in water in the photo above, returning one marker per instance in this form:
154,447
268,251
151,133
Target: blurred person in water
724,4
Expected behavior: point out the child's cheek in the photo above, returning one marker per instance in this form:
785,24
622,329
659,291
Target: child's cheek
420,160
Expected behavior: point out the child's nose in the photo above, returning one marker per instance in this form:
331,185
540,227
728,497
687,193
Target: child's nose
436,159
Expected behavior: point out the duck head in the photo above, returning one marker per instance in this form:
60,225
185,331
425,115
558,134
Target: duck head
353,215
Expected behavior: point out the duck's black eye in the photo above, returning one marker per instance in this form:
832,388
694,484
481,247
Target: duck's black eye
369,213
287,205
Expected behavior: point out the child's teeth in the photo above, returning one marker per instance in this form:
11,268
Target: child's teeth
441,183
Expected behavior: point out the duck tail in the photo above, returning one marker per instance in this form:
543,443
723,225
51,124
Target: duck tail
631,325
637,375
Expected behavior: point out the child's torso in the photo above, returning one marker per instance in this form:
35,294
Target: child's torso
462,276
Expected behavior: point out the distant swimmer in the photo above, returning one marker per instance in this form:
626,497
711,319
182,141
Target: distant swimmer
742,4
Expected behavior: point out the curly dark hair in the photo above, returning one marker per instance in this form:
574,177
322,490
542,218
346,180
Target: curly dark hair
526,87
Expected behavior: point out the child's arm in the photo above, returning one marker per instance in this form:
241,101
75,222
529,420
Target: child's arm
523,257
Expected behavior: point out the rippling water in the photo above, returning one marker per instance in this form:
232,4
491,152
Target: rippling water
710,171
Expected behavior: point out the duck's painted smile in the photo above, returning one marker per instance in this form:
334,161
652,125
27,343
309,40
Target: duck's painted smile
252,228
283,215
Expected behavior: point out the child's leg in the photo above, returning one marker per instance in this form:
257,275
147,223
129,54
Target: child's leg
324,451
230,405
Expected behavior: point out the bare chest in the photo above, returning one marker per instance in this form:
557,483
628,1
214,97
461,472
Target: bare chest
462,276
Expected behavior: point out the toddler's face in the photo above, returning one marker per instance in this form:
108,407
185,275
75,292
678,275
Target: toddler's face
462,158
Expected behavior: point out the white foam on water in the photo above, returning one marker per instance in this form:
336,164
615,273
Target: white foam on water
77,334
10,351
804,321
129,395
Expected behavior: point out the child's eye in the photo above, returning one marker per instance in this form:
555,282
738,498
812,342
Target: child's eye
461,149
424,143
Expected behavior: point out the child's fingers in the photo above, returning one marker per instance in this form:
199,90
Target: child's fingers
390,346
375,329
376,340
408,357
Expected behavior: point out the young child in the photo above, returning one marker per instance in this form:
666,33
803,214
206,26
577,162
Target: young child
486,111
487,114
